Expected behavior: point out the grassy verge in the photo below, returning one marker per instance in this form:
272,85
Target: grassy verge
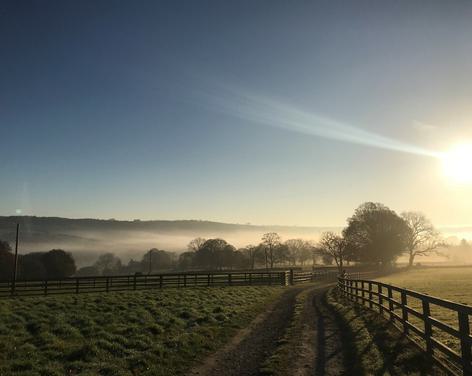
451,283
379,347
279,362
128,333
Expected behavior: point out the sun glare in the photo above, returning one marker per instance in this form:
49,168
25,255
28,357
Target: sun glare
457,163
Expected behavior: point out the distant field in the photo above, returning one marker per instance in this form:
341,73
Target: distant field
128,333
453,284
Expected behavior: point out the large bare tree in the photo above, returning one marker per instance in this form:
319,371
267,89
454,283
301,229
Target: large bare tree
335,246
271,240
423,239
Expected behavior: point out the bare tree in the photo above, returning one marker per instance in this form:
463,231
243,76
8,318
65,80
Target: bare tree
306,252
295,248
250,251
423,239
196,244
316,253
335,247
271,240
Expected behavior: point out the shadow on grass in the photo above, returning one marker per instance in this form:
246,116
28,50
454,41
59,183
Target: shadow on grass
400,356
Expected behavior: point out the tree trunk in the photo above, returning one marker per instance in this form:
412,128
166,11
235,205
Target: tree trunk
340,265
411,259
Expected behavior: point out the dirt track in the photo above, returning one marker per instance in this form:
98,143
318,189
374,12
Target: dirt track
320,353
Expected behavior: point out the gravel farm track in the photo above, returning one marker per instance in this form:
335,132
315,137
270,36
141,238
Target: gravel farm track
321,351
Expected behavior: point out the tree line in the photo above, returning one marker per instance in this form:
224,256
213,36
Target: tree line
377,235
55,263
374,235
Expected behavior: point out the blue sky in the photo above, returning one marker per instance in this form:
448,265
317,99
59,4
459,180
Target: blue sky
120,109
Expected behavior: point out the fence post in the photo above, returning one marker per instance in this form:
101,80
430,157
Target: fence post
390,302
270,279
160,281
250,279
464,330
427,327
107,287
46,287
363,292
185,280
229,279
404,311
208,281
379,290
358,292
291,281
134,282
76,285
371,304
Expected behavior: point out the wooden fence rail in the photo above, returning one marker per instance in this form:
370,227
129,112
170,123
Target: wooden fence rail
141,282
400,306
77,285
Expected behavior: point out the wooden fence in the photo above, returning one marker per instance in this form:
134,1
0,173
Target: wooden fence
141,282
324,275
413,313
77,285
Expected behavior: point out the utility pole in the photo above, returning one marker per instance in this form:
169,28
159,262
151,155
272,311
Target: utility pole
15,265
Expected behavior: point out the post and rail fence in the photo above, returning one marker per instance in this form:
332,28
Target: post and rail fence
77,285
413,313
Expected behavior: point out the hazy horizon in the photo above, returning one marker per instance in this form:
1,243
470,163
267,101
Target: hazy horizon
131,239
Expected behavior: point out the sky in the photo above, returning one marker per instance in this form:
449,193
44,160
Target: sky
263,112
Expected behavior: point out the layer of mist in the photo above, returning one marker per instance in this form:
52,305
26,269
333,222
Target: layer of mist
88,238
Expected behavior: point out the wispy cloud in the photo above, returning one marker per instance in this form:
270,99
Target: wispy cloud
423,127
271,112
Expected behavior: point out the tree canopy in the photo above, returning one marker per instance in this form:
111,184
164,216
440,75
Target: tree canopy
376,234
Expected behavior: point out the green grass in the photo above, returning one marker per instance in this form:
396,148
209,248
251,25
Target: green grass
356,336
288,346
453,284
128,333
377,347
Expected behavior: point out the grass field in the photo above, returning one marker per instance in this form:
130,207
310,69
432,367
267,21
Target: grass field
453,284
128,333
375,346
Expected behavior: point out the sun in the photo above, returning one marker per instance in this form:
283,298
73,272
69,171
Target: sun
457,163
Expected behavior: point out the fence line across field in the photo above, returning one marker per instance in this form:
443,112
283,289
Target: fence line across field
389,300
77,285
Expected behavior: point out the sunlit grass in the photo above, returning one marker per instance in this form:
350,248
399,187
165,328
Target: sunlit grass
453,284
129,333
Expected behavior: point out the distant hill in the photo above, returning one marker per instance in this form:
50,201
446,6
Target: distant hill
88,237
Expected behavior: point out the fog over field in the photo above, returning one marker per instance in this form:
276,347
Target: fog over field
86,238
